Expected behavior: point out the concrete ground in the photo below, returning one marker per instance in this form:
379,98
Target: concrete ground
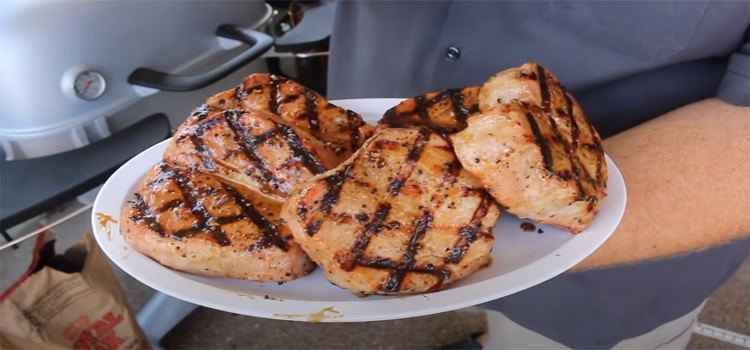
728,308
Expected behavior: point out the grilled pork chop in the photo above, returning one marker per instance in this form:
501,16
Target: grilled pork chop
198,223
400,216
534,151
445,110
250,148
343,130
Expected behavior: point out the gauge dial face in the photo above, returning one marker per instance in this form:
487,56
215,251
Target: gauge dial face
89,85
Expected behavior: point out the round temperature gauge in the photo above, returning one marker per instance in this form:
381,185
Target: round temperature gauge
89,85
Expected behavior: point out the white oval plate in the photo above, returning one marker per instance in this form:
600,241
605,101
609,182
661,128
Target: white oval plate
520,259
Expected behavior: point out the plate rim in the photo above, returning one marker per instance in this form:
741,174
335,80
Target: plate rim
349,310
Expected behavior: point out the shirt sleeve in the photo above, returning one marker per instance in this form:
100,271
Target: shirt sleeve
735,86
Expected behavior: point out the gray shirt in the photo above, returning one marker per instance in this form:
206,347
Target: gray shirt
626,63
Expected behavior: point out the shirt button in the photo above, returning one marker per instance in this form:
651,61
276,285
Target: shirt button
452,53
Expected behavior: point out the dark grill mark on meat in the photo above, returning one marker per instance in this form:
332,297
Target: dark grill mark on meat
247,145
269,231
240,93
421,107
530,75
275,96
146,216
203,222
470,232
291,98
311,108
543,88
591,147
575,134
442,274
257,140
175,203
574,162
197,140
380,144
376,225
540,140
395,186
300,152
354,123
422,224
329,200
575,130
415,152
457,98
201,112
313,227
457,102
335,182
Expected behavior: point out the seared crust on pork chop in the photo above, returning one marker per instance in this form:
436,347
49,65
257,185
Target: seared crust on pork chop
401,216
445,110
342,130
534,150
198,223
250,148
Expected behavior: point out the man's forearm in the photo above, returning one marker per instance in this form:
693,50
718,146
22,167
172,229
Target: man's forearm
688,179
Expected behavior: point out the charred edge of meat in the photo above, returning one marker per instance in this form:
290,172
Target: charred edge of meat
240,93
421,225
443,276
247,145
329,200
269,231
201,112
310,161
528,75
311,110
456,98
145,215
415,152
204,219
470,232
375,226
597,147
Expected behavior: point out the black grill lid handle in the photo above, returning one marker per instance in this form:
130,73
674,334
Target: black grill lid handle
259,44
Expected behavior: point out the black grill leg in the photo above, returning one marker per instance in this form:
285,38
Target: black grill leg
8,238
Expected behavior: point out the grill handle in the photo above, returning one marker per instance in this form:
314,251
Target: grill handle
259,44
